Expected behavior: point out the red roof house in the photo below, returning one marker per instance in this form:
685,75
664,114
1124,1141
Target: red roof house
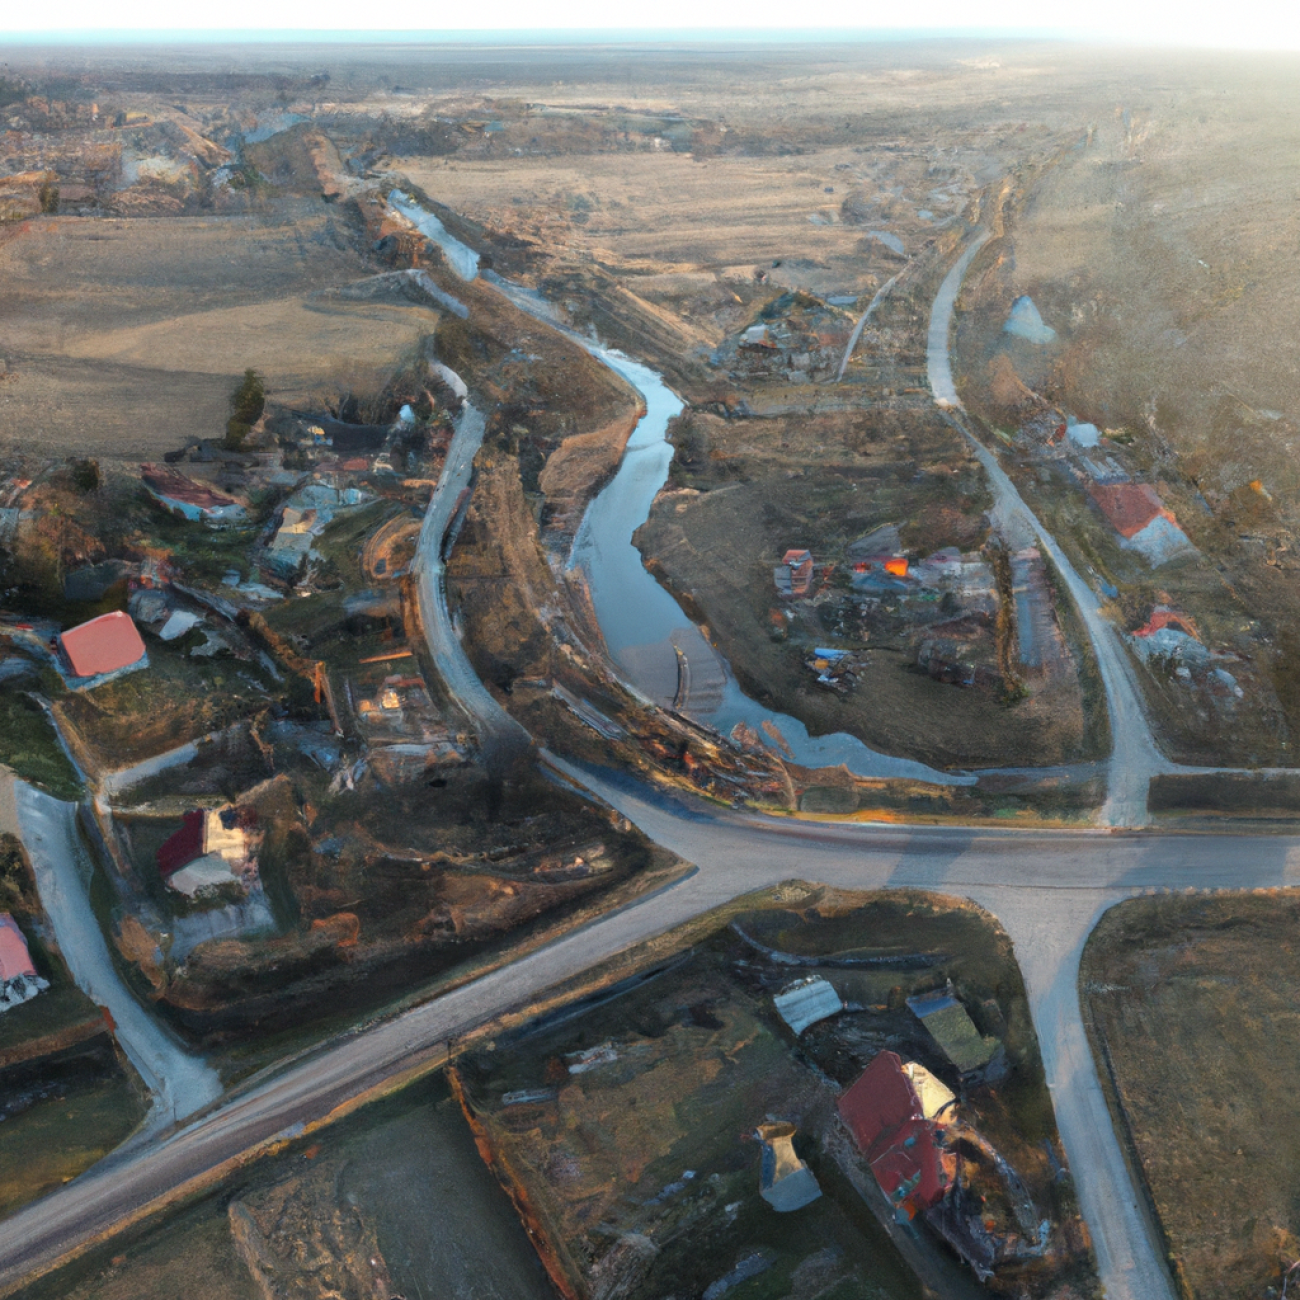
14,957
183,496
104,647
1129,507
886,1118
184,846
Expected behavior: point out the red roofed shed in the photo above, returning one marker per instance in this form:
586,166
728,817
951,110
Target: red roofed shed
15,960
1129,507
106,644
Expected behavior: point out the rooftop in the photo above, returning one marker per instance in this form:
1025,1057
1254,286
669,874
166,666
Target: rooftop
167,482
14,957
1129,507
104,645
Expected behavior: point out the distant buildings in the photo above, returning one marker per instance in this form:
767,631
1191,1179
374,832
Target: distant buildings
97,652
793,576
190,500
19,981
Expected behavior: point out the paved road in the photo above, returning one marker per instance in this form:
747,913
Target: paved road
1135,757
875,302
179,1082
497,729
1047,888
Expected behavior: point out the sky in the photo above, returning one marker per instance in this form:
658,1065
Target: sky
1251,24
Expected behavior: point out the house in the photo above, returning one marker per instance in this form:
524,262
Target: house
895,1114
19,981
1145,524
1171,634
190,500
954,1032
210,849
794,575
807,1001
784,1181
99,651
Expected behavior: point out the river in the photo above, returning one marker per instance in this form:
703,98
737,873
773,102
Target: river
660,652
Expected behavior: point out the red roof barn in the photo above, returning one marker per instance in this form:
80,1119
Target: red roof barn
1129,507
886,1118
107,644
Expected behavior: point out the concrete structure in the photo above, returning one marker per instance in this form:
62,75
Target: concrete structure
785,1182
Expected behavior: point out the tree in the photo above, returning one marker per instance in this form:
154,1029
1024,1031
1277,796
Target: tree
246,405
85,476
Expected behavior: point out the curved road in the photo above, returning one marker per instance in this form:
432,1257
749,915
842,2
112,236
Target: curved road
1134,758
179,1082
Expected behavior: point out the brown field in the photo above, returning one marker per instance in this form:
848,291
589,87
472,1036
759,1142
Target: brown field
1211,1112
125,337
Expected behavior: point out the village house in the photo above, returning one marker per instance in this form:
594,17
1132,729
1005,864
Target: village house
793,576
190,500
1144,523
895,1114
210,849
96,652
19,981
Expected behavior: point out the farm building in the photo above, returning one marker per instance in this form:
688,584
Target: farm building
1145,524
953,1031
188,499
98,651
896,1125
794,575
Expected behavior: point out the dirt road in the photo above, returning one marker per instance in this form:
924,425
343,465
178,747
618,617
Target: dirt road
180,1083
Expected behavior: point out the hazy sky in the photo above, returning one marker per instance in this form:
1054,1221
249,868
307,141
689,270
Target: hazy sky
1259,24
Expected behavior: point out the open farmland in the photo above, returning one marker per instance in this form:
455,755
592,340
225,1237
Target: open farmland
126,336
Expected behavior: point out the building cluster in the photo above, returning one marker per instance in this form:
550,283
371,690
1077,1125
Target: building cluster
946,603
798,339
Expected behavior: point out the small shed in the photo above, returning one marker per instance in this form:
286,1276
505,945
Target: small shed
104,648
785,1182
947,1022
807,1001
